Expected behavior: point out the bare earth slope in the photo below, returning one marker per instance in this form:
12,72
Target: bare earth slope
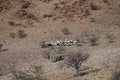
44,20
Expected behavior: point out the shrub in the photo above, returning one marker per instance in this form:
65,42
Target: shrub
33,74
46,1
110,38
56,57
22,34
79,43
65,31
47,16
61,49
11,23
93,40
46,54
116,68
94,6
19,75
75,61
37,70
93,19
56,6
1,46
116,75
25,5
106,1
12,35
43,45
2,50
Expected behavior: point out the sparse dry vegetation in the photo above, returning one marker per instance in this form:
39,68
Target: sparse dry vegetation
53,31
93,40
66,31
116,71
43,45
116,75
94,6
21,34
75,61
12,35
46,54
46,1
32,74
1,46
57,56
110,38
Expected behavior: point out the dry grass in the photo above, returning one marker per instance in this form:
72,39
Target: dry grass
70,14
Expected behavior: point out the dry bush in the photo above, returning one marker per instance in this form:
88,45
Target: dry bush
93,6
26,4
47,16
75,60
116,68
106,1
8,4
24,12
116,76
58,56
110,38
46,54
46,1
116,73
12,35
4,5
66,31
34,73
21,34
1,46
44,45
93,40
11,23
76,9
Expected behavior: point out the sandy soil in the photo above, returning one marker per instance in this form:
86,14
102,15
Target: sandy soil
43,21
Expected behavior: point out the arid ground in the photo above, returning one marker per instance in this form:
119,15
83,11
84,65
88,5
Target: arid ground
53,20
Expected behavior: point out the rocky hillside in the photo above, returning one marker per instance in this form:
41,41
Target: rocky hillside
33,31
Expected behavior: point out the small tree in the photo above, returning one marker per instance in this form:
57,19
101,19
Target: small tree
75,60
